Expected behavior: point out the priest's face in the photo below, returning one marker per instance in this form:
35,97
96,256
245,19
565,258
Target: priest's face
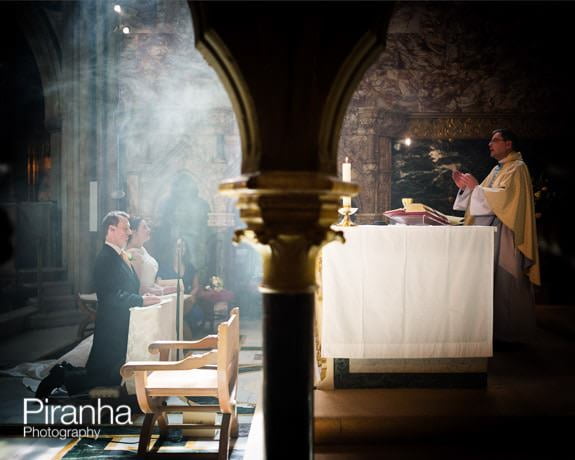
499,147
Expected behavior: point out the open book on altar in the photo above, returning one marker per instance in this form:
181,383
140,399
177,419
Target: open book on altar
421,214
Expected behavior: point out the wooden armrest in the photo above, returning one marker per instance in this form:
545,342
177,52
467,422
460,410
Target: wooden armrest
209,341
190,362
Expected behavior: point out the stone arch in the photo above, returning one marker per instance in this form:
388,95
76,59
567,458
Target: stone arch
346,82
216,53
334,97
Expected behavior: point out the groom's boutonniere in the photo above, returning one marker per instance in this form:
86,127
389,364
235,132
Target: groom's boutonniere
126,257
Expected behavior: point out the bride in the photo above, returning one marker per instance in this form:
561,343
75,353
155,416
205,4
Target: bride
145,266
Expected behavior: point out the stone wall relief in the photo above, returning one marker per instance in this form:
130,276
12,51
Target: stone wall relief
180,197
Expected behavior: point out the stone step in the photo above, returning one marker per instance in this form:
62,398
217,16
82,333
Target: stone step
494,438
60,302
363,417
30,275
15,321
56,318
52,288
358,415
55,303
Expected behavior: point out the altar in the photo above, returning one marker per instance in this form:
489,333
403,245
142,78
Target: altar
408,299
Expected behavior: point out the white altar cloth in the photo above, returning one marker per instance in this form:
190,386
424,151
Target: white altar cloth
150,324
408,292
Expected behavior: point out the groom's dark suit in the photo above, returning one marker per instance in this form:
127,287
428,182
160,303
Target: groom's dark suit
117,288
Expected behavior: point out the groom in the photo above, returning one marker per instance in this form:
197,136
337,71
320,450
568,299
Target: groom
117,288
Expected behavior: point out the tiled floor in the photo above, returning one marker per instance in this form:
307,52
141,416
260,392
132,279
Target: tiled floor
34,449
36,345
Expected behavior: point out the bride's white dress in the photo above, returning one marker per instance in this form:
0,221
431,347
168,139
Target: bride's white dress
35,371
145,266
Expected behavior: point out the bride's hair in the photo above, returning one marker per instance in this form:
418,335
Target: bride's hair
134,224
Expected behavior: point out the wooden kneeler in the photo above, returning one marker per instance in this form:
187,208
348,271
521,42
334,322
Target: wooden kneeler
212,373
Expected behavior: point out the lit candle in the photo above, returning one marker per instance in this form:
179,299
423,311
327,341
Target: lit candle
346,176
346,170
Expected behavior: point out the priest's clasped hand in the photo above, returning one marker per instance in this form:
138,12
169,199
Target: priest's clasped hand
457,177
464,180
470,181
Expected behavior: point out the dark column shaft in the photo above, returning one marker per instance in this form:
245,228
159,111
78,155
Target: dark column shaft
288,375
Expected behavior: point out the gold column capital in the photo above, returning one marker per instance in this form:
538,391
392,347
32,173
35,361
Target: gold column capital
289,215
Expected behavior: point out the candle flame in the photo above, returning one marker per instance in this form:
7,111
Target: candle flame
346,159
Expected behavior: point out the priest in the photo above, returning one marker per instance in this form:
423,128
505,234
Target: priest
505,200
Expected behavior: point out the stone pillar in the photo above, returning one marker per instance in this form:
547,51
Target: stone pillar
288,215
290,74
85,132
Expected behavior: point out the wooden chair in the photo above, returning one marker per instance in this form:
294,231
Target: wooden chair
212,373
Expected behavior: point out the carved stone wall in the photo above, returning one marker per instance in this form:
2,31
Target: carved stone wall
173,112
174,118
